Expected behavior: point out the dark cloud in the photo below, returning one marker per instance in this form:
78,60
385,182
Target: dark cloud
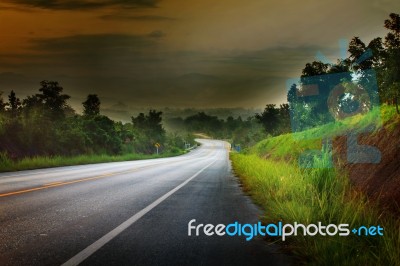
15,8
135,17
214,54
14,81
82,4
139,70
280,60
84,55
93,43
156,34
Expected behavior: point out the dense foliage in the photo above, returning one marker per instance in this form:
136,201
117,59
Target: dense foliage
370,74
238,131
44,124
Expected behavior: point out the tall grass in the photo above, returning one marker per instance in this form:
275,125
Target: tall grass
290,194
287,193
45,162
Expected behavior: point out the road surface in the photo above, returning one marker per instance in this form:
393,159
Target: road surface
129,213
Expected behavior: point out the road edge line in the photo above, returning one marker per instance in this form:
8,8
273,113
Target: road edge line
88,251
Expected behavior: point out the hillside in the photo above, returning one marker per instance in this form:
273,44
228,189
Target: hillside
363,194
379,181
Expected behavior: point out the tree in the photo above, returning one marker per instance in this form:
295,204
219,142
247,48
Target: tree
378,52
284,118
392,42
52,98
2,104
315,68
374,54
91,107
356,47
269,118
342,66
393,24
202,122
148,130
102,134
292,94
13,105
362,59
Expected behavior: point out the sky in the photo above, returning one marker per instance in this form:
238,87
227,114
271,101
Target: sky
175,53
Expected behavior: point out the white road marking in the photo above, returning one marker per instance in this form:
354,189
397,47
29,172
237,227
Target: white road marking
28,175
84,254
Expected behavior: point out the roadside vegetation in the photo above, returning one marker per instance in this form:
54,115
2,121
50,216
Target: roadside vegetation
290,192
271,174
28,163
43,130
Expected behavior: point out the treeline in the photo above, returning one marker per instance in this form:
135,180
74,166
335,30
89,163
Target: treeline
44,124
245,132
369,76
236,130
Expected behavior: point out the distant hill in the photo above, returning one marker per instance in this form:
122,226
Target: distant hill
123,113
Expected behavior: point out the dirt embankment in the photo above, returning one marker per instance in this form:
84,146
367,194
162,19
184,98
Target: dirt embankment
379,181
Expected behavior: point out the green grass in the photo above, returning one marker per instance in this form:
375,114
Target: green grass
270,174
290,146
7,165
289,194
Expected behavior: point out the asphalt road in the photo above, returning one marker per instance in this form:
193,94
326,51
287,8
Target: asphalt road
129,213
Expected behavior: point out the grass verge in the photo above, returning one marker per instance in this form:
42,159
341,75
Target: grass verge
270,174
289,194
7,165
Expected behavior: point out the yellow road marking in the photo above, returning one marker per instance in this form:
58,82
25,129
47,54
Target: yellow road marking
58,184
55,185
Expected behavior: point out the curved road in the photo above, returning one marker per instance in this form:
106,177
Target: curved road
129,213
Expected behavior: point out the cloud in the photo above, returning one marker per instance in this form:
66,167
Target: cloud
156,34
100,54
92,43
14,81
83,4
135,17
93,57
6,7
140,70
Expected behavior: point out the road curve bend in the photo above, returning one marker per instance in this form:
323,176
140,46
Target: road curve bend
129,213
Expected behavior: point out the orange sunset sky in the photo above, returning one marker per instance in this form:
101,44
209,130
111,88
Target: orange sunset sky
172,53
